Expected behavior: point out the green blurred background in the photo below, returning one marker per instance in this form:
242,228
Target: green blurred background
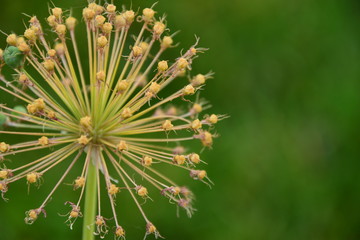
286,165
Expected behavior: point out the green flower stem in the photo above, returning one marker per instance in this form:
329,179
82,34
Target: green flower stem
90,203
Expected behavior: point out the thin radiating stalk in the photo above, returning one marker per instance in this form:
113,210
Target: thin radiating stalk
90,201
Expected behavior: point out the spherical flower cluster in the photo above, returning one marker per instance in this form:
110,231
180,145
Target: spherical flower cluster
106,110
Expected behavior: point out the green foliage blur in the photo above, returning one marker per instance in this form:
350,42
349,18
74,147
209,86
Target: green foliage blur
286,164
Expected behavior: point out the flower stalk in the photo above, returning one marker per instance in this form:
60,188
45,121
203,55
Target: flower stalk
90,200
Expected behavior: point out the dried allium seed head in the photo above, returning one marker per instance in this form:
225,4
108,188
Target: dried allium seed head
106,108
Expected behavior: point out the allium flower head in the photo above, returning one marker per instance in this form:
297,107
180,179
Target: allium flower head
107,111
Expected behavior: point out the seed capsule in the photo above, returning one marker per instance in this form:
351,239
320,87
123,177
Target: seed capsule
167,125
79,182
195,158
162,66
167,42
4,147
126,113
213,119
148,14
113,189
83,140
182,63
159,28
179,159
142,191
147,161
196,124
12,39
122,146
71,23
43,141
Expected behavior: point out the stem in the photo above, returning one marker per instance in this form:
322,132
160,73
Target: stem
90,201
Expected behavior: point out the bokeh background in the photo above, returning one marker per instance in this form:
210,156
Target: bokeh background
286,164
